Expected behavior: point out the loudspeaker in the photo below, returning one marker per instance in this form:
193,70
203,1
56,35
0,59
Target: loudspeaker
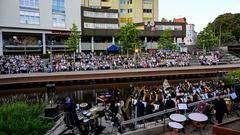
51,111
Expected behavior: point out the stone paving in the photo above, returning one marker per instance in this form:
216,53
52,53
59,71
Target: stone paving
189,130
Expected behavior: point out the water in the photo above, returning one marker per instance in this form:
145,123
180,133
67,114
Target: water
79,93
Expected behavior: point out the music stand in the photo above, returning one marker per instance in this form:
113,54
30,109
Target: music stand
233,95
182,106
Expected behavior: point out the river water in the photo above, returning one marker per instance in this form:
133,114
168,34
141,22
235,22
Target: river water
79,93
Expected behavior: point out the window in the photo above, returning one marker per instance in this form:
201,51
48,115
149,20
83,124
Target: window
130,10
171,27
29,4
147,10
58,6
123,11
129,1
29,17
147,2
100,14
100,26
122,2
58,20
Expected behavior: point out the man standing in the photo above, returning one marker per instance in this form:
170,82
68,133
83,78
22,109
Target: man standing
220,108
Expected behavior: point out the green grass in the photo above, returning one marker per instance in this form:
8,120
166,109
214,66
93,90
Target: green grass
23,119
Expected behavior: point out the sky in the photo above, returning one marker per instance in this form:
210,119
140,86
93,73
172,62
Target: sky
198,12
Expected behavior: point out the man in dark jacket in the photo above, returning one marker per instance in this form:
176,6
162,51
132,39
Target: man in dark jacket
220,108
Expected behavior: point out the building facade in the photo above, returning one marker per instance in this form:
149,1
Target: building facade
191,35
99,28
130,11
36,26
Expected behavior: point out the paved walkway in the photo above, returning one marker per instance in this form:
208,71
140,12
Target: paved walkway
189,129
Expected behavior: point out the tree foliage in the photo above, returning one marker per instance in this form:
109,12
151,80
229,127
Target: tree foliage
228,25
166,41
23,119
227,38
206,39
128,37
73,39
233,77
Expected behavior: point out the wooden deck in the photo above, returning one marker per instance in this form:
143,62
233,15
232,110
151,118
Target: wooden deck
111,74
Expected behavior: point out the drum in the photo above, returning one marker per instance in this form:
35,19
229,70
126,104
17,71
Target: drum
228,103
178,117
175,125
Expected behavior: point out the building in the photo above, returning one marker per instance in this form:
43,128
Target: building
191,35
43,26
37,26
99,28
130,11
151,31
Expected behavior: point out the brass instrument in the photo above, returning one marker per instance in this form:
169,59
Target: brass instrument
228,103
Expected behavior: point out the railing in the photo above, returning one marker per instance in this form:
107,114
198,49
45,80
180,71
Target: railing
158,114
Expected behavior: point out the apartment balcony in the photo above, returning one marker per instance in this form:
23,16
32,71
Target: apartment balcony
22,48
57,48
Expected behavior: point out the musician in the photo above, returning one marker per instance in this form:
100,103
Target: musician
70,107
220,108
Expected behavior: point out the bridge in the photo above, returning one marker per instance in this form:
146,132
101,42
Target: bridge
115,74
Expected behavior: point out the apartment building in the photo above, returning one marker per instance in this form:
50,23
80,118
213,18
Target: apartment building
130,11
37,26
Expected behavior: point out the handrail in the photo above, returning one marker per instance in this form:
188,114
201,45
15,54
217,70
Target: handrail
165,111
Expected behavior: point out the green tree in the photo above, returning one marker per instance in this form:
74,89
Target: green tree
128,37
225,24
236,33
206,39
73,39
233,77
227,38
166,41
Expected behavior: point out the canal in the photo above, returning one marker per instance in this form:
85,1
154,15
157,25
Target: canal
86,92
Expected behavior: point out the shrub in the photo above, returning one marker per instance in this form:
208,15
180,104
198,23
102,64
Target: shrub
23,119
233,77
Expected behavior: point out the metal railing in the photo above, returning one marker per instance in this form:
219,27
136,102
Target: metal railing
158,114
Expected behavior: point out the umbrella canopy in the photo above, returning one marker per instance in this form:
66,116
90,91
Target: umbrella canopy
113,49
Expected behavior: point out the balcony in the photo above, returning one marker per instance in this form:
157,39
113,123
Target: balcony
22,48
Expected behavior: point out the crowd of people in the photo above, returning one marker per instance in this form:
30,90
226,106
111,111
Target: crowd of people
148,100
211,59
13,64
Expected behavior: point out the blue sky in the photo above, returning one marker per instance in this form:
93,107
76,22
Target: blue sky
198,12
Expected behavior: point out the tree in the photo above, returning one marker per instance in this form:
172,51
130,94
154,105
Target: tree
128,37
233,77
73,39
164,20
227,38
206,39
236,33
225,24
166,41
